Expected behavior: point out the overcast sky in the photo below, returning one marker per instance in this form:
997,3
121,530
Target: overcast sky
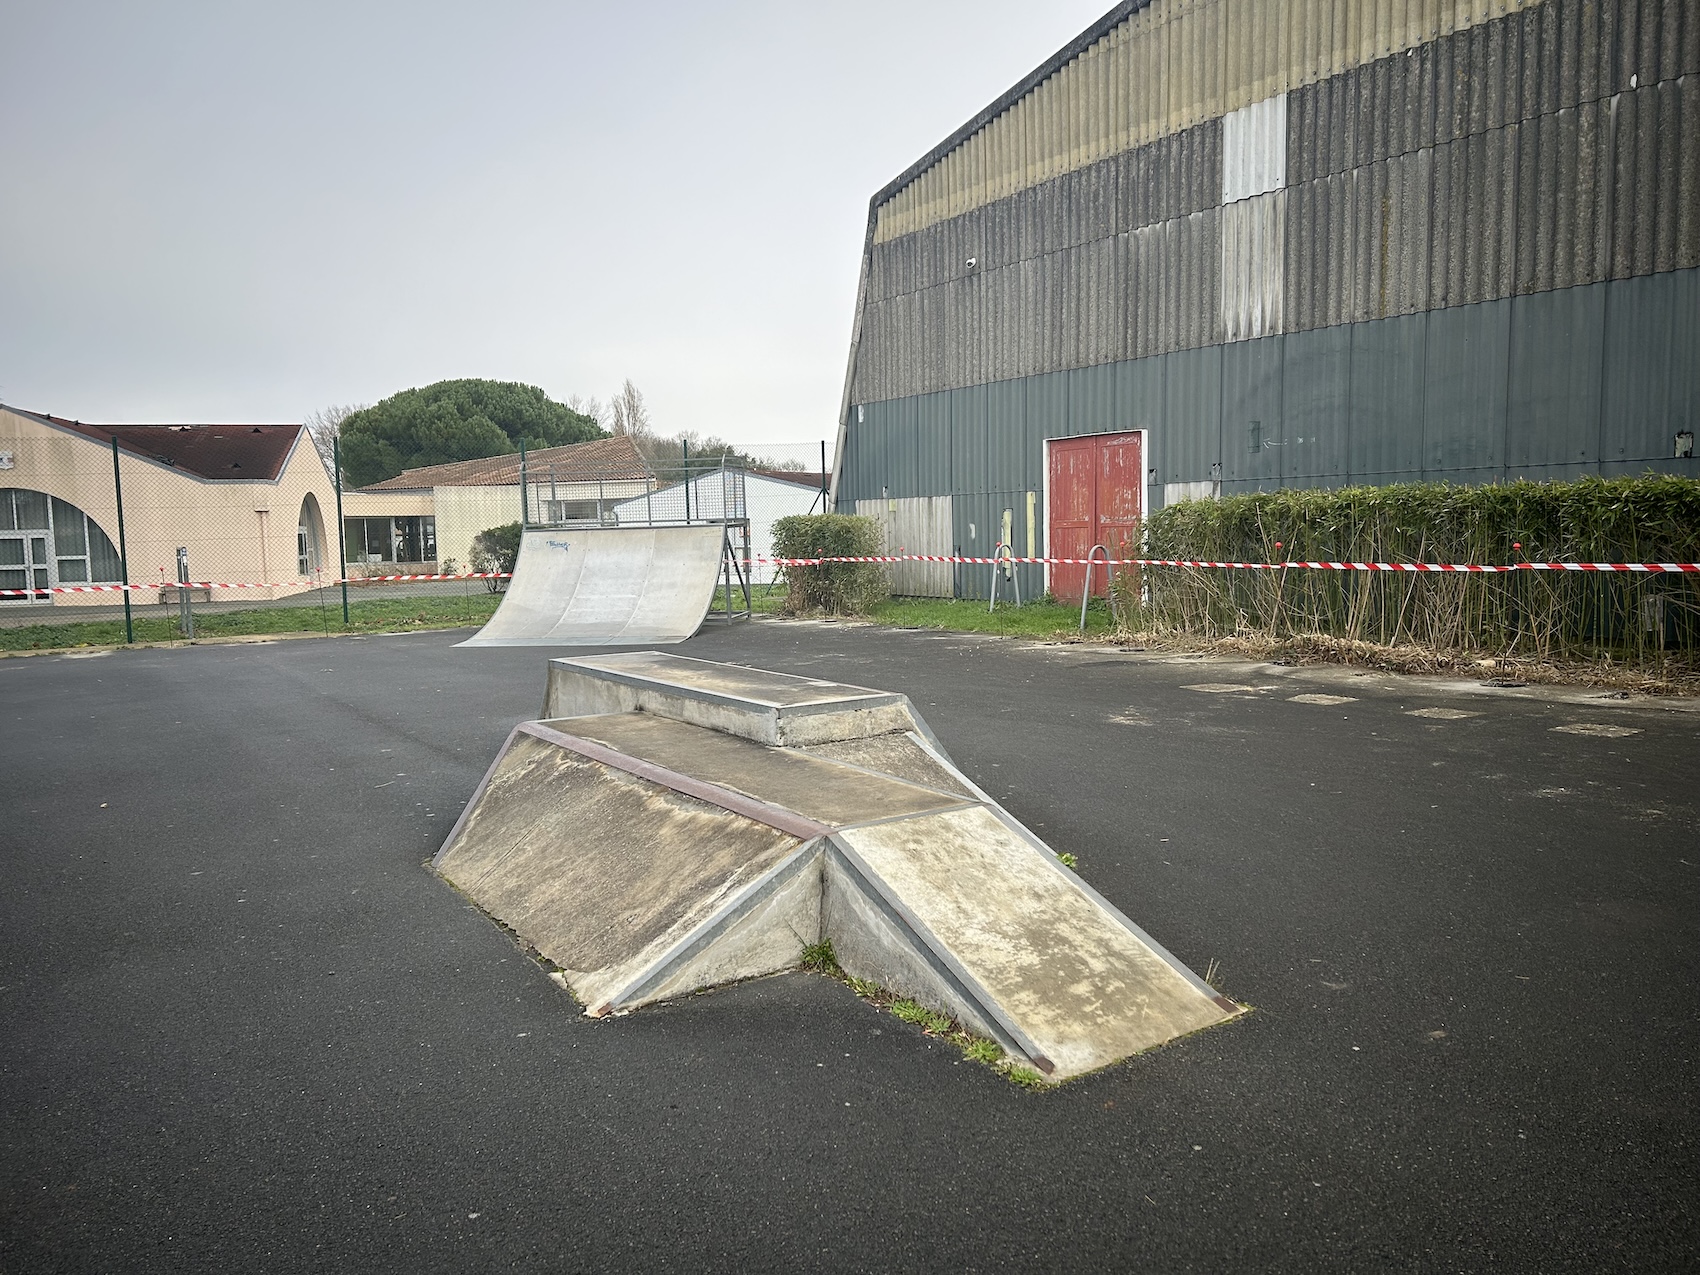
246,211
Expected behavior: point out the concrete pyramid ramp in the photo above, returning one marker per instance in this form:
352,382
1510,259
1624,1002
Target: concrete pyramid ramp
1071,980
607,586
563,849
649,853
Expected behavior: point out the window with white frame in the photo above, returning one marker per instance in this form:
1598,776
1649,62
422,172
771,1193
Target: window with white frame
46,542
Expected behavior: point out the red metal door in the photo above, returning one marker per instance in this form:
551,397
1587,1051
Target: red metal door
1096,495
1069,533
1121,475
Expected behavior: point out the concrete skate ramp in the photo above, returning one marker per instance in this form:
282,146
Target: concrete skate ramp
658,844
600,869
607,586
770,708
1081,985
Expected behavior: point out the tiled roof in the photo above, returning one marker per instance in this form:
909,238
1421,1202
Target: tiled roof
607,459
802,477
228,452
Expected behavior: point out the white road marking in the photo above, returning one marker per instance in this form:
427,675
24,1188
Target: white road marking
1322,699
1598,728
1440,714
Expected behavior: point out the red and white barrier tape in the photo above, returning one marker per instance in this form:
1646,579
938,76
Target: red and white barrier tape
1473,568
244,584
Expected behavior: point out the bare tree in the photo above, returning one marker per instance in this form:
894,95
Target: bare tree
325,424
627,414
592,407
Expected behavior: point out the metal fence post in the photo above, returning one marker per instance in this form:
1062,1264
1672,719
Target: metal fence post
524,498
685,464
185,611
341,529
123,549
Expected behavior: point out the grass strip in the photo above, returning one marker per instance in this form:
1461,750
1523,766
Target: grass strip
368,615
1047,620
820,958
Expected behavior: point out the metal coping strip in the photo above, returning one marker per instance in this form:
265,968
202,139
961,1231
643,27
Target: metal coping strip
472,801
937,954
737,803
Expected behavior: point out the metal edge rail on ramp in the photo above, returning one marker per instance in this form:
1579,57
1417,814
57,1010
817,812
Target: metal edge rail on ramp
653,837
610,586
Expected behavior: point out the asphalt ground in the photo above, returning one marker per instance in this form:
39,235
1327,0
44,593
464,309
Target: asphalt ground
243,1027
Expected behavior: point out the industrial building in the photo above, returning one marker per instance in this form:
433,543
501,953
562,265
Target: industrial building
1217,246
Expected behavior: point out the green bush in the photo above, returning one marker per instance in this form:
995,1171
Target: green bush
495,549
1655,518
838,588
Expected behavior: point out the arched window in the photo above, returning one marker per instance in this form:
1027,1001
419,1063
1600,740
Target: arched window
45,541
309,537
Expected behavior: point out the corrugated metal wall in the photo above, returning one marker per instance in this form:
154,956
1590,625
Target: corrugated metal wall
1592,379
1169,66
1555,146
1302,242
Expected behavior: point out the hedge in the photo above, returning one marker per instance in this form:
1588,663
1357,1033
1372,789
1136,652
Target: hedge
839,588
1655,518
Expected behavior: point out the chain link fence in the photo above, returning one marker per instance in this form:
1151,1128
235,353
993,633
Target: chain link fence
146,532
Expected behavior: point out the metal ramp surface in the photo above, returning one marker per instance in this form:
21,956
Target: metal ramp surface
608,586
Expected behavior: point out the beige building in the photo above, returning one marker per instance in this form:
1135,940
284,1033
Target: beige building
255,505
562,484
252,505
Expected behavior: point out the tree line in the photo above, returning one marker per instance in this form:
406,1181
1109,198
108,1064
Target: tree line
470,419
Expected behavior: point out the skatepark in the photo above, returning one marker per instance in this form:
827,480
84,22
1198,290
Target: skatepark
249,1024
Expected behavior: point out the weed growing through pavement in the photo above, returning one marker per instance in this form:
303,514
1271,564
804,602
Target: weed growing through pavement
1026,1077
820,958
1068,861
929,1021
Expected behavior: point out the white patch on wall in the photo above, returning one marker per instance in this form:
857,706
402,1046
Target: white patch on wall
7,460
1253,254
1254,216
916,524
1174,493
1254,149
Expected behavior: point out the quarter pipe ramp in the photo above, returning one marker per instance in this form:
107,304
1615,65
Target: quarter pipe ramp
607,586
